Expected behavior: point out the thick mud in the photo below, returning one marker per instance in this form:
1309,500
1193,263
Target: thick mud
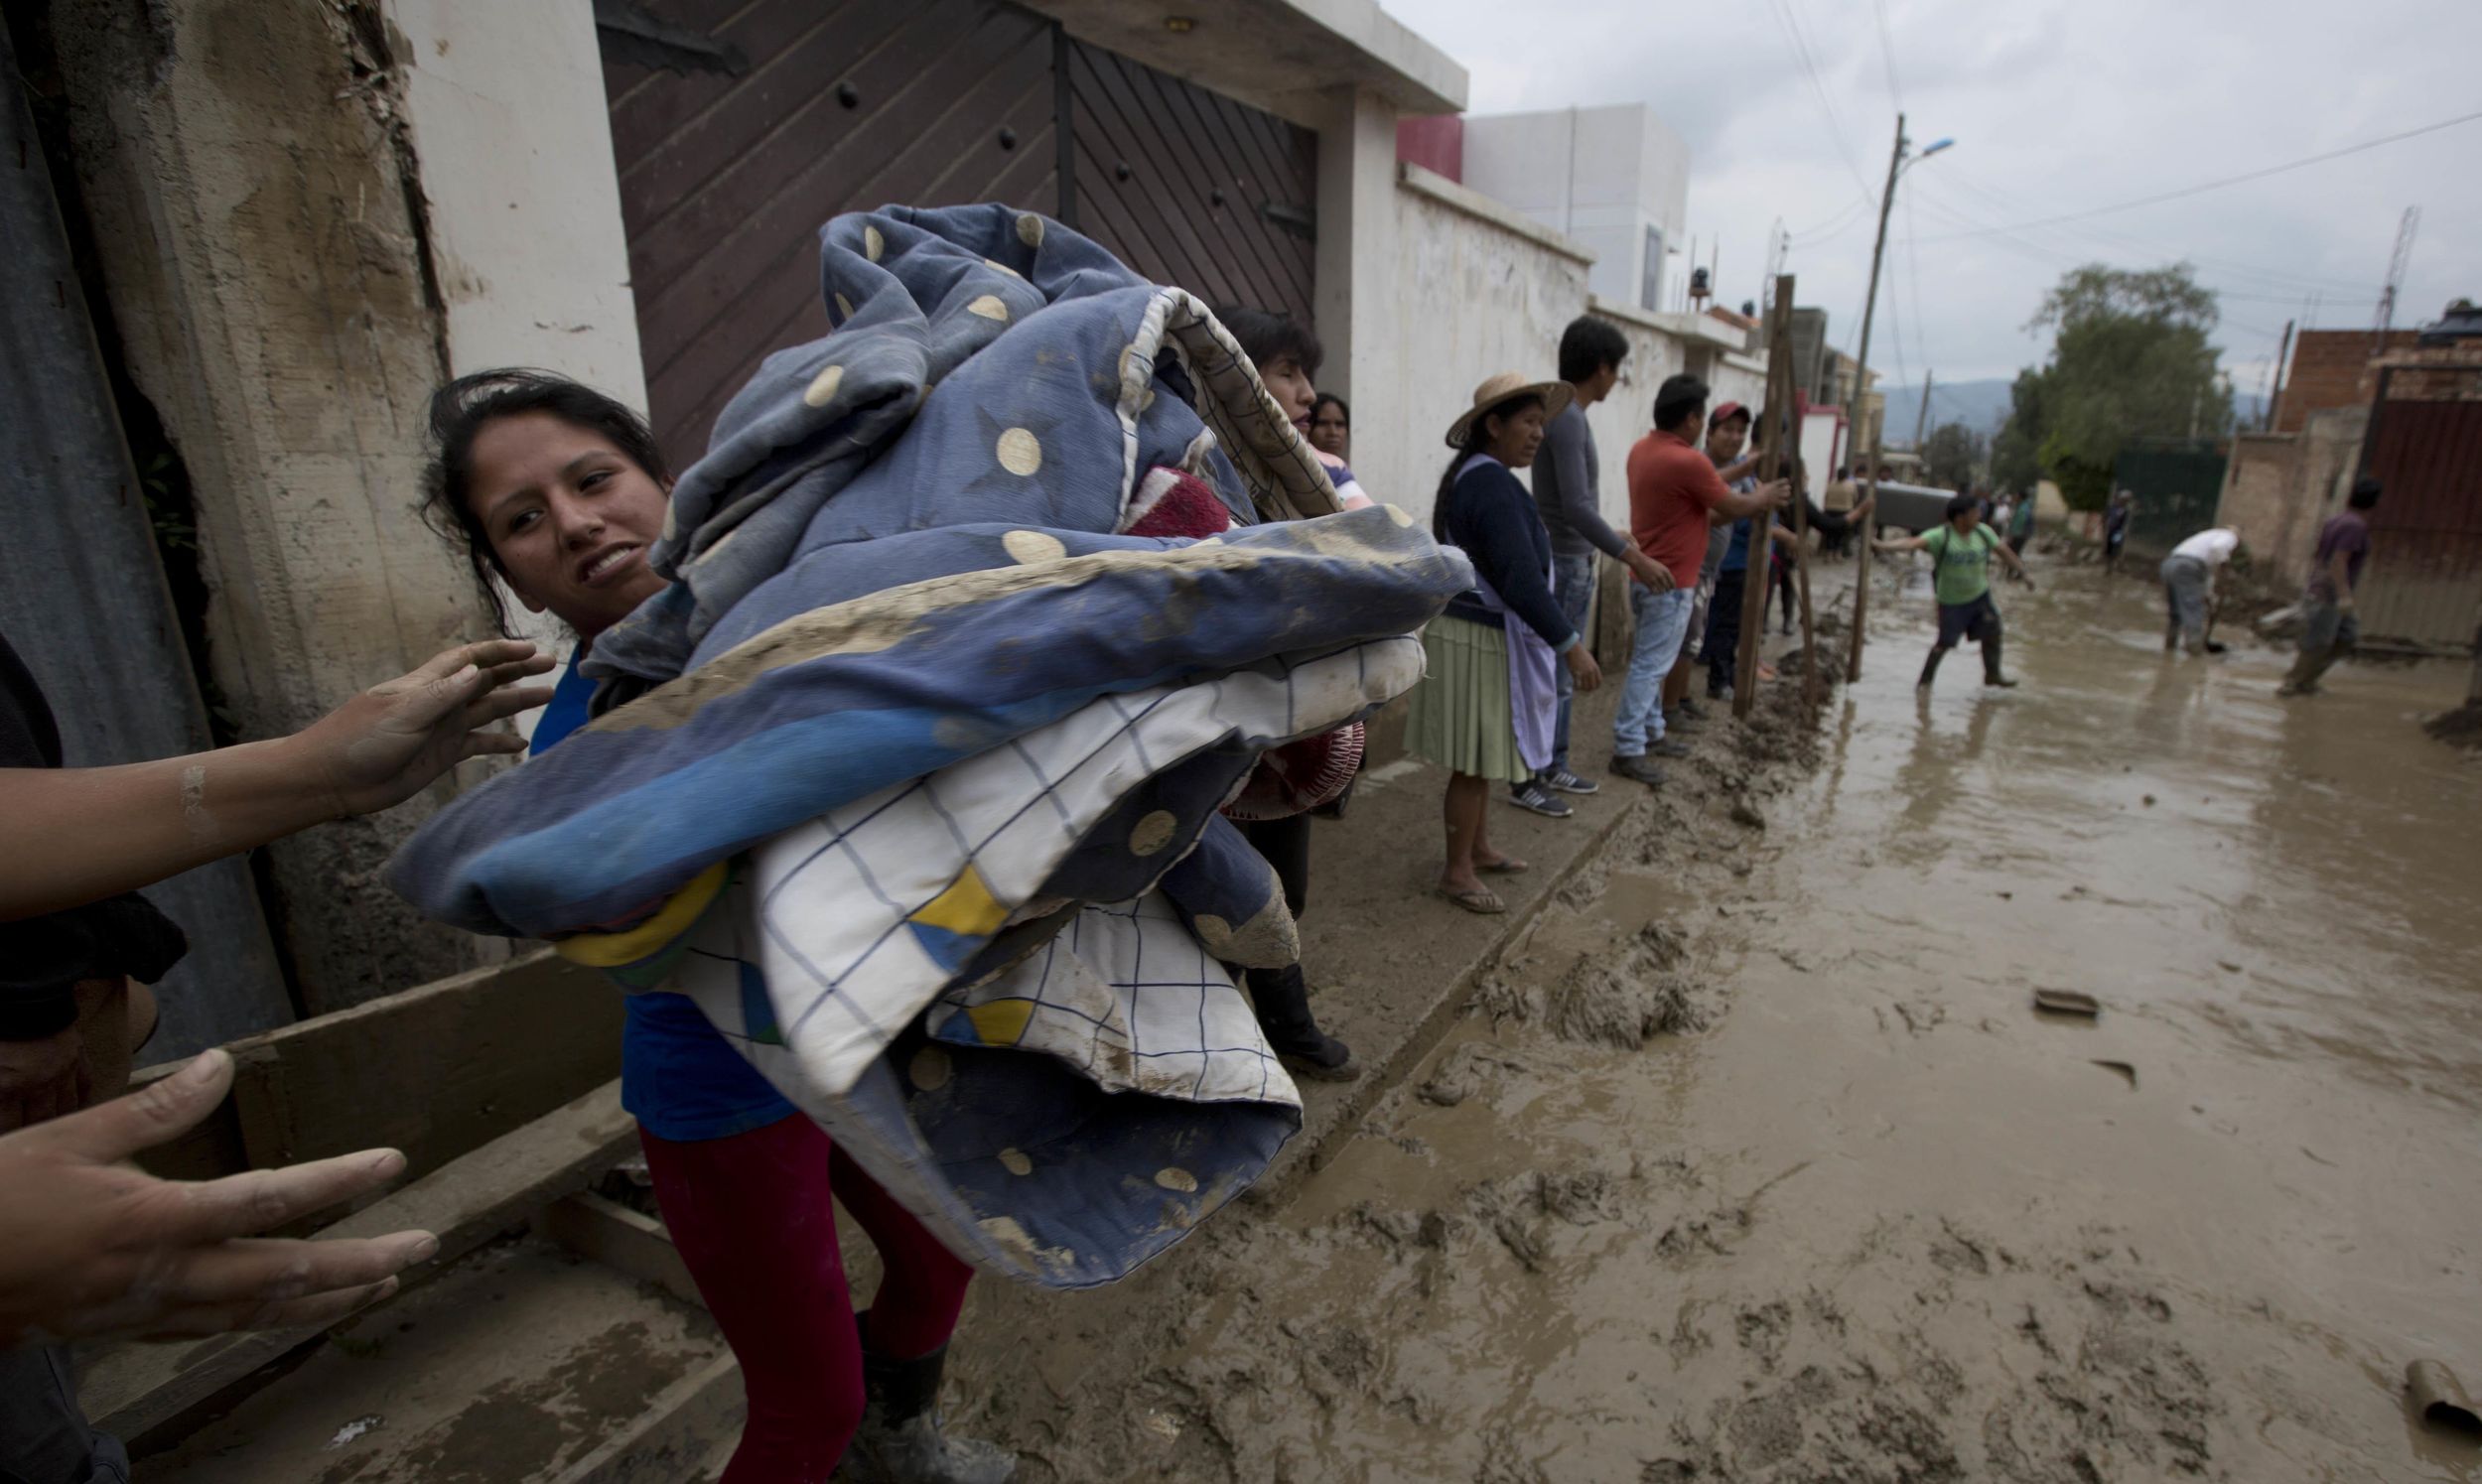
1753,1160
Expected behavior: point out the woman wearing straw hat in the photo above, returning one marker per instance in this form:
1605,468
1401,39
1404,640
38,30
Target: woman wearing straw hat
1486,712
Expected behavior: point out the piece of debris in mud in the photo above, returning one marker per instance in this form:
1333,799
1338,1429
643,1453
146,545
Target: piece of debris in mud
1746,815
2067,1003
2461,727
2121,1067
1462,1072
2439,1400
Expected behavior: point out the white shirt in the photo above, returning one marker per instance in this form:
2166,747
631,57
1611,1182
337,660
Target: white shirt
2213,547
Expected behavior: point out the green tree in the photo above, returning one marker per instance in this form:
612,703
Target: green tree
2016,452
1952,457
2131,358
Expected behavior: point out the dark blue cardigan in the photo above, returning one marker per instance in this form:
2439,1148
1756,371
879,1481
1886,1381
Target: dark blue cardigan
1491,516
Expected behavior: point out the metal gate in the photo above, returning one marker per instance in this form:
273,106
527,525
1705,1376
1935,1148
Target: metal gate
740,126
2424,576
2177,487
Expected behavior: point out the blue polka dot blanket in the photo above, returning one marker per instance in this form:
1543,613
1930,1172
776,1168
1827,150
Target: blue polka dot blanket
911,778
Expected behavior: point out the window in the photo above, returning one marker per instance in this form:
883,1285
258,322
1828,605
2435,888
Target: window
1650,290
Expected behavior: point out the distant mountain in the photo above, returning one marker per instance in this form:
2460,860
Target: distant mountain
1983,407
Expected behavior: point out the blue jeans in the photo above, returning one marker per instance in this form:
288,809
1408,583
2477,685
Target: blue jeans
1573,588
1662,623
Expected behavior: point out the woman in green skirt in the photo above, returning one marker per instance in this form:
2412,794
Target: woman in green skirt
1486,707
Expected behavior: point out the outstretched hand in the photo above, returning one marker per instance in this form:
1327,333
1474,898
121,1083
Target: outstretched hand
384,746
89,1246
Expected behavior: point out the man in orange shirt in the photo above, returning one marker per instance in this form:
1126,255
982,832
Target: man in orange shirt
1674,497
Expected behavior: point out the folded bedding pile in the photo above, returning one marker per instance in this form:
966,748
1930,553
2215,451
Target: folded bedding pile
913,778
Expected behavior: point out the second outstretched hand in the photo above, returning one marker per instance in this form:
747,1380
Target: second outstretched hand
91,1246
385,745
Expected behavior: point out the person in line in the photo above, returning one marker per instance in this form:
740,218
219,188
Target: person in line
2329,627
1721,650
1332,427
1288,358
1961,553
560,491
2116,528
2189,588
1674,496
1567,491
1485,710
79,945
1839,501
2020,524
1727,433
92,1247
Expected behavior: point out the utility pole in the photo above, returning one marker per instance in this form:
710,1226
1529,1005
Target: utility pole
1921,415
1853,409
2284,355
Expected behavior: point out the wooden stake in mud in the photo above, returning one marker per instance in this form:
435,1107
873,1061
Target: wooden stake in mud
1773,426
1860,394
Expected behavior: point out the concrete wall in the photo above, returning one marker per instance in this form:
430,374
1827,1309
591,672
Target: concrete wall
289,281
1474,290
2280,488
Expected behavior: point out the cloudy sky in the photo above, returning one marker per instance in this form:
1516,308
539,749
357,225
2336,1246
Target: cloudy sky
2056,106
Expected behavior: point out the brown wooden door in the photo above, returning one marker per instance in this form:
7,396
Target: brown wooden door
739,127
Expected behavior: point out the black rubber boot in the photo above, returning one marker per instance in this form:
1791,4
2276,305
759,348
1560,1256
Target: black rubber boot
900,1440
1930,667
1282,998
1991,661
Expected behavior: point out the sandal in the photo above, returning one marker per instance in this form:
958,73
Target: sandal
1482,901
1505,866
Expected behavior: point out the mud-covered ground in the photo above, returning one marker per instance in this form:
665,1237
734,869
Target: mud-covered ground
1753,1161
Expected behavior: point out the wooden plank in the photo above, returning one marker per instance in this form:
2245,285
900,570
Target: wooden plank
1755,580
676,1436
435,1071
612,1234
132,1388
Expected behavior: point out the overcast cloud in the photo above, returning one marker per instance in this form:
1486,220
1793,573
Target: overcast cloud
2055,107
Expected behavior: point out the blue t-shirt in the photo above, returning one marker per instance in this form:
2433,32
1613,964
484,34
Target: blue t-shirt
1737,555
679,1077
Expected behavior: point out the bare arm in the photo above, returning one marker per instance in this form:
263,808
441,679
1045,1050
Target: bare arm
70,835
1899,543
2004,554
1741,507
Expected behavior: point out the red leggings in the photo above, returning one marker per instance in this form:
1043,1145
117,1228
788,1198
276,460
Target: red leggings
752,1218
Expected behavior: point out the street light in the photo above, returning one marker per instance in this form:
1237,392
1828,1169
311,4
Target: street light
1896,162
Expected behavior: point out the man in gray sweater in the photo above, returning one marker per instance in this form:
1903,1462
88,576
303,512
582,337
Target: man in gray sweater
1567,488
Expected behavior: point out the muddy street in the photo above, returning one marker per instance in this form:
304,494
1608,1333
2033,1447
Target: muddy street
1753,1160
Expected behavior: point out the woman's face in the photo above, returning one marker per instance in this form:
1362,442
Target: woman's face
1290,385
569,517
1328,432
1515,438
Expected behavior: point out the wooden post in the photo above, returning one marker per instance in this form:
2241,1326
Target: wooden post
1775,417
1861,393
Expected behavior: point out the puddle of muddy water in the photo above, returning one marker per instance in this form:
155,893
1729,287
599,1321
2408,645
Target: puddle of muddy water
1882,1220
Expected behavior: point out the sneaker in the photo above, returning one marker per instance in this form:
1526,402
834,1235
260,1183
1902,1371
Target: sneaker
1534,796
1638,770
1561,781
1668,747
2004,682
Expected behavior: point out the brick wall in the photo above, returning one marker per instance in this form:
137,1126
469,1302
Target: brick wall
2328,370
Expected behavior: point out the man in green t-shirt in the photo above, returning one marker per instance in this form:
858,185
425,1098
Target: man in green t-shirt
1961,553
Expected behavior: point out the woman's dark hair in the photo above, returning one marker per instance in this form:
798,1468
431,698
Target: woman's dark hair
1588,345
461,409
1330,399
1477,434
1264,336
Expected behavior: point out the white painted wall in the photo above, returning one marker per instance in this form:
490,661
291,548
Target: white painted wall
506,103
1598,175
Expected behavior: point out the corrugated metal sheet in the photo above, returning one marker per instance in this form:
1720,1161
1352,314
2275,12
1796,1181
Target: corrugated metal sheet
2424,579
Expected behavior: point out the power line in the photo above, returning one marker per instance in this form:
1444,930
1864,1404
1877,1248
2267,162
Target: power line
2218,185
1887,52
1791,23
